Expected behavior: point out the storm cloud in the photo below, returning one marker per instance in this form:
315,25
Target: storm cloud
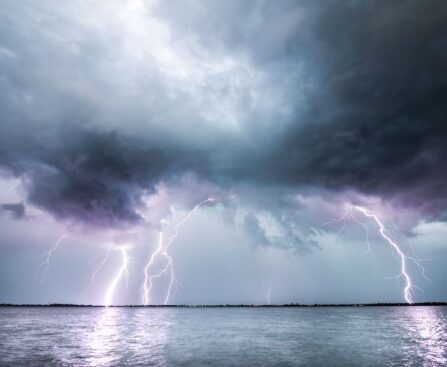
16,210
377,124
101,103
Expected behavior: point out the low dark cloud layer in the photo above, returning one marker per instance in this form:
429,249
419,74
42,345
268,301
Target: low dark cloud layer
377,124
15,210
358,91
90,177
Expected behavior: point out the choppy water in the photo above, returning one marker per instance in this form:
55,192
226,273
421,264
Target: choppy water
382,336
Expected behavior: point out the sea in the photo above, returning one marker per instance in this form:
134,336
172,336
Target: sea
234,336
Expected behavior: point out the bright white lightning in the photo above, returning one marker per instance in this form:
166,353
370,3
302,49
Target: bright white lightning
395,246
148,281
403,259
46,263
163,251
123,271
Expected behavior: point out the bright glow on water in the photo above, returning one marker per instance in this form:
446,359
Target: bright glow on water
380,336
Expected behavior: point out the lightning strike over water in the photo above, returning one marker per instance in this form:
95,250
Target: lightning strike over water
163,251
123,271
148,281
403,259
45,265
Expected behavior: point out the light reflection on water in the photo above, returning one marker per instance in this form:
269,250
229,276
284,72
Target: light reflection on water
429,329
136,333
380,336
101,343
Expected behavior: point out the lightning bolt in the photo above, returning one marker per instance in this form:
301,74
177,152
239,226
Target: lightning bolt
163,251
45,265
147,286
99,267
123,271
403,259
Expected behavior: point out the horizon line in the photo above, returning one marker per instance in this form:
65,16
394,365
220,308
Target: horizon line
229,305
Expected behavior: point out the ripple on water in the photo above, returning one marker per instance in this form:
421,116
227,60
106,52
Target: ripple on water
379,336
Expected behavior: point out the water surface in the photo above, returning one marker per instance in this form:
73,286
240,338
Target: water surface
353,336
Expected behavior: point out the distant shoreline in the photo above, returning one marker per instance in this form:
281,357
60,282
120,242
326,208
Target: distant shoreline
296,305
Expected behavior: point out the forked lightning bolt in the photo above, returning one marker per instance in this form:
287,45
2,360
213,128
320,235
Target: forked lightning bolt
45,265
123,271
403,259
162,250
395,246
148,280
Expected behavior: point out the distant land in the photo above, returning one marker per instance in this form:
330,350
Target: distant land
235,305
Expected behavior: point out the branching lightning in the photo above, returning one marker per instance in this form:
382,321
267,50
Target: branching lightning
162,251
395,246
123,271
148,279
403,259
45,265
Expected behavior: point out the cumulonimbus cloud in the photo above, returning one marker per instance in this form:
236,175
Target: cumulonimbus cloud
298,97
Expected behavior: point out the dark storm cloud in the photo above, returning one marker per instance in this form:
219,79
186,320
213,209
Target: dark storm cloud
378,122
363,85
16,210
374,117
91,177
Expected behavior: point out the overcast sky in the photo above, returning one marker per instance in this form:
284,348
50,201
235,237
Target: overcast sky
118,117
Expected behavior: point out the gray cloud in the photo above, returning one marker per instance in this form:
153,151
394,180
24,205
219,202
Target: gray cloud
95,178
315,95
377,123
16,210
